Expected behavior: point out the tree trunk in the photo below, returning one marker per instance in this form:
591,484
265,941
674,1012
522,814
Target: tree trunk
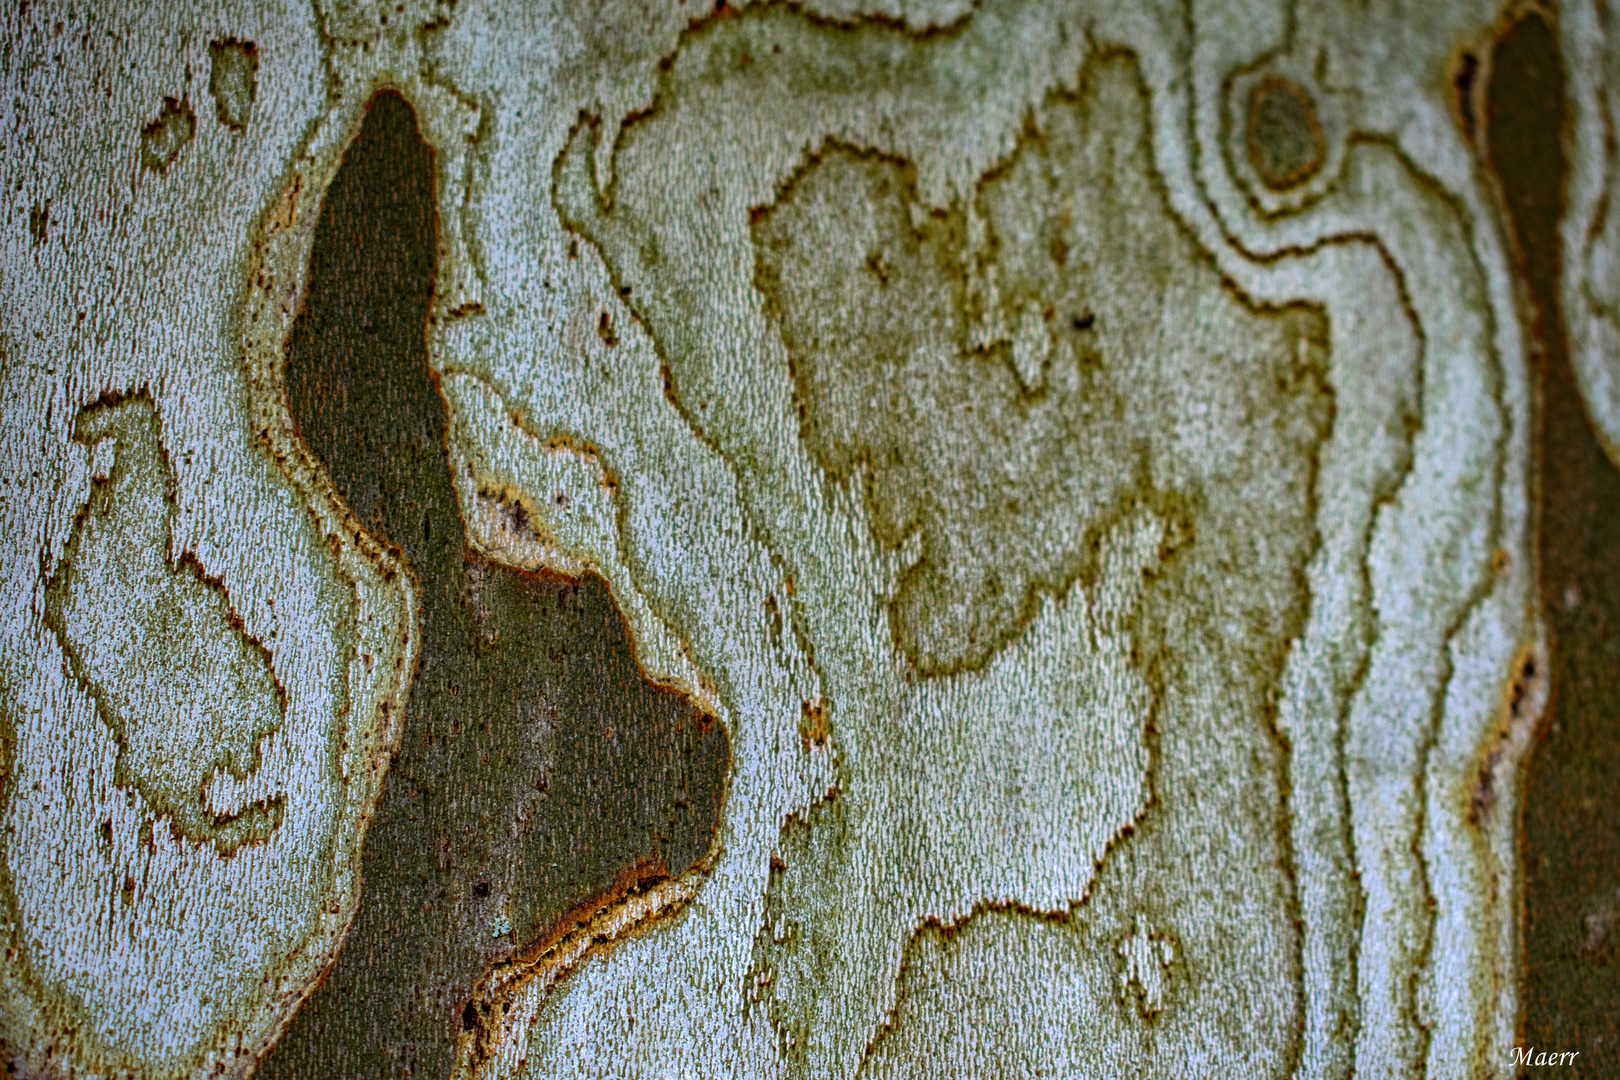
900,537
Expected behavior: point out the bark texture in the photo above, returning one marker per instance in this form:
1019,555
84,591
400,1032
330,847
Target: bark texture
848,538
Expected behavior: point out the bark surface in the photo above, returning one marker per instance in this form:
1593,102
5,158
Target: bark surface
828,539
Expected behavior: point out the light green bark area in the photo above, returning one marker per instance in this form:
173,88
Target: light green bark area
1005,398
187,694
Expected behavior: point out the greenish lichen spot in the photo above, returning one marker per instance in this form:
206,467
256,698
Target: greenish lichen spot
156,644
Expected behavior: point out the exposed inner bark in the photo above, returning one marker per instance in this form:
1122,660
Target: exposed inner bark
538,763
1570,833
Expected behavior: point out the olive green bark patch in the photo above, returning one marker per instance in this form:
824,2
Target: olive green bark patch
790,959
998,395
164,138
156,644
233,79
1286,143
537,762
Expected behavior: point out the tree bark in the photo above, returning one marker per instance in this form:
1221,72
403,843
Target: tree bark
869,537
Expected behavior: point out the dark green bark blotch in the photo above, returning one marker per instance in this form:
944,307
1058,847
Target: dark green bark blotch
1570,832
537,761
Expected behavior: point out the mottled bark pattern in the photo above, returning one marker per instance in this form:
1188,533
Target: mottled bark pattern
538,764
1104,493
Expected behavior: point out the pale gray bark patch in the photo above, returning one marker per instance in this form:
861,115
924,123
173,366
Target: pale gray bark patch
154,282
